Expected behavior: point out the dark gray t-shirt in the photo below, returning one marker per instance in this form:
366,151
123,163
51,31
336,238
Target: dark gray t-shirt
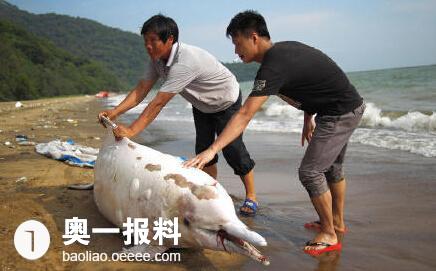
305,78
198,76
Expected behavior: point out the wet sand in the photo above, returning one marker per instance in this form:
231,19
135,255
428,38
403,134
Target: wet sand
390,208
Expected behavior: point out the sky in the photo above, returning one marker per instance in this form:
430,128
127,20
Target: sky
358,35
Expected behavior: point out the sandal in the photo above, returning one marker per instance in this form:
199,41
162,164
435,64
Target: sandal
327,248
250,204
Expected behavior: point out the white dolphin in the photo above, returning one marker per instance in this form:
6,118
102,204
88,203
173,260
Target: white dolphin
132,180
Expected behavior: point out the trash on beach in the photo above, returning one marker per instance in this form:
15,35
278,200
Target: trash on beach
81,186
8,144
23,140
72,121
102,94
70,141
18,104
27,143
97,138
69,152
21,180
20,138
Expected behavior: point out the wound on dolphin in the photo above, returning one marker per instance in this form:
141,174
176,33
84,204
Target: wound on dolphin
203,192
151,167
200,191
131,146
179,180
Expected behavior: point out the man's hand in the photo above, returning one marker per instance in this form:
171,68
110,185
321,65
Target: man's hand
308,128
123,131
109,114
201,159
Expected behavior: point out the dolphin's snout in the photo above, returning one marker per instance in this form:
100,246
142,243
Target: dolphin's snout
242,232
231,243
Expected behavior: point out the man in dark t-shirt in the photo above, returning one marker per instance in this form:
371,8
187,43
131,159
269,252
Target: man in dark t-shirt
309,80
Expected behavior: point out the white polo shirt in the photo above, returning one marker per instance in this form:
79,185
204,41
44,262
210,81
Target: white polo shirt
198,76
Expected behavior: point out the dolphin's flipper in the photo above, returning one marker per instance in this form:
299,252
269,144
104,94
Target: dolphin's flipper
79,186
144,248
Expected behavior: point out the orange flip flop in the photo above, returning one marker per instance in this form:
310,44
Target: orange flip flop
327,248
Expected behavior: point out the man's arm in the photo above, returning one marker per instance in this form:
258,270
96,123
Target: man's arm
308,128
146,117
233,129
135,96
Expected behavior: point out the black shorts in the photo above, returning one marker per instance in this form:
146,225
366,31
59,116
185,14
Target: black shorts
209,125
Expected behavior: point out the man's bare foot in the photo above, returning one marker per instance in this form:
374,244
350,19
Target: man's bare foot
322,242
316,225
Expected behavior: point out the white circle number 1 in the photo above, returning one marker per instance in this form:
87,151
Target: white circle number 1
31,239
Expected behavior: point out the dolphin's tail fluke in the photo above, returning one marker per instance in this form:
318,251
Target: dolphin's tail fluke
241,231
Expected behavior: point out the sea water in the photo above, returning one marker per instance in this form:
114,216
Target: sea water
400,112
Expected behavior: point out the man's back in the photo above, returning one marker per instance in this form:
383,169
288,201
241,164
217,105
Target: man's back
308,77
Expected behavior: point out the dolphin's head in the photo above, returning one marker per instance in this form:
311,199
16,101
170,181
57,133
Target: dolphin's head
213,224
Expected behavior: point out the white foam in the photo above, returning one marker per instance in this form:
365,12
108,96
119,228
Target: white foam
423,144
284,110
412,121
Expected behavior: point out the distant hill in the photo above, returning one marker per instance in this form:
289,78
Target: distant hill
31,67
121,52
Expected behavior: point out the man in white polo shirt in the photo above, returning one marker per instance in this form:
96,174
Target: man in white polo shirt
203,81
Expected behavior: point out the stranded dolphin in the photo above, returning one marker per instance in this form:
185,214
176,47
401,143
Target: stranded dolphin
132,180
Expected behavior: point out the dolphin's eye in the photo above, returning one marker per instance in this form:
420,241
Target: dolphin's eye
186,222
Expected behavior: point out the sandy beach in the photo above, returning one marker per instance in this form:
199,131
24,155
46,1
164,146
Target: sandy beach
390,208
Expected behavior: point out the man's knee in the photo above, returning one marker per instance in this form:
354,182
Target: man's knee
314,181
239,159
335,174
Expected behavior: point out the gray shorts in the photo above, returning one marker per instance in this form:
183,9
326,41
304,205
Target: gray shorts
322,162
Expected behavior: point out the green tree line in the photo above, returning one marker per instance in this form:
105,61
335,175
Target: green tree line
121,52
111,55
31,67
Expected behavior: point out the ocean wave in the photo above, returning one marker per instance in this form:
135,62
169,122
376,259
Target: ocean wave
412,132
411,121
423,144
276,109
373,117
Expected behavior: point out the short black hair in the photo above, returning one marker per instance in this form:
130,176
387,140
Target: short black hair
163,26
246,22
